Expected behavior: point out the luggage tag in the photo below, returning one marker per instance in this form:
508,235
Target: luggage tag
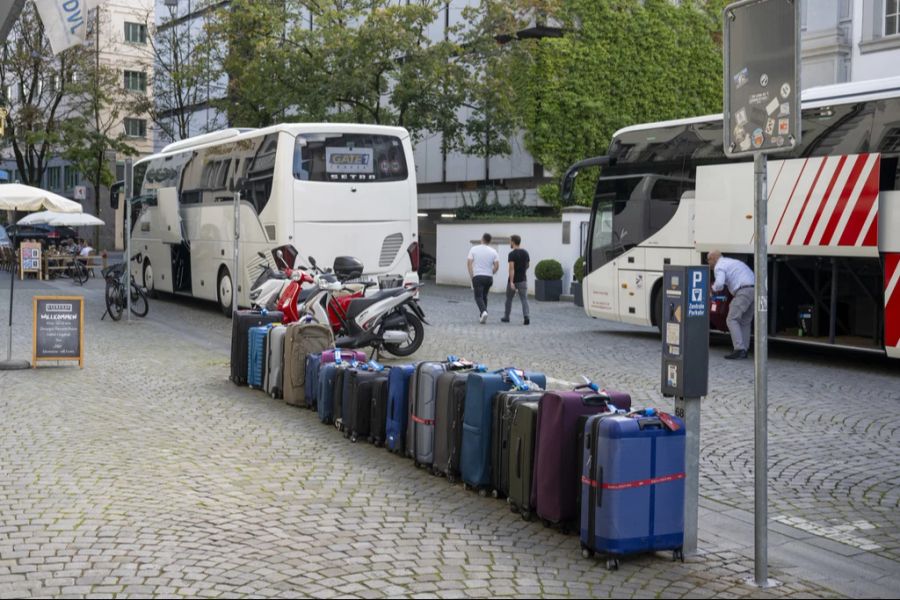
479,368
375,366
517,380
667,420
337,356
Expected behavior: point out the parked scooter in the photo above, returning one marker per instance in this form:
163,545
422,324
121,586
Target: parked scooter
270,284
294,295
389,319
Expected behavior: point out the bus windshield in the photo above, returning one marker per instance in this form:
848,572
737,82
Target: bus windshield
609,236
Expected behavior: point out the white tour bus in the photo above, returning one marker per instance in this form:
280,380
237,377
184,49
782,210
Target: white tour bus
326,189
668,195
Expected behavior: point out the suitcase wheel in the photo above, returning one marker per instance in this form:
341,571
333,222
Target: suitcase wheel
678,554
612,564
465,486
526,515
483,493
546,523
495,493
353,438
586,552
451,479
416,463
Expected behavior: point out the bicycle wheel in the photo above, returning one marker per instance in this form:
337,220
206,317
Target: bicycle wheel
80,273
139,304
113,300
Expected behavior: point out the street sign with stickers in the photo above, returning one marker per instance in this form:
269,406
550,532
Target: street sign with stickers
762,77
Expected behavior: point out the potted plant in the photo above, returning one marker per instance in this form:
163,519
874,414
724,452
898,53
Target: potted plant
548,280
577,277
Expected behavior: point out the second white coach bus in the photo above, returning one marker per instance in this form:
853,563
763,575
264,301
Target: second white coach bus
668,195
326,189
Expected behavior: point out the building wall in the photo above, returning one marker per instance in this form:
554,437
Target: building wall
543,239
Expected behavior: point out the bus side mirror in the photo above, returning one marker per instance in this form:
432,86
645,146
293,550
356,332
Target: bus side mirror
116,192
567,192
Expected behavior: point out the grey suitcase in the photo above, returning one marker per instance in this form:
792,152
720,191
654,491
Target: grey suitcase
274,380
420,429
302,339
450,406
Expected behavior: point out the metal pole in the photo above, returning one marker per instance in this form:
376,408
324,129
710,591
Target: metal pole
9,364
129,185
689,411
237,252
761,332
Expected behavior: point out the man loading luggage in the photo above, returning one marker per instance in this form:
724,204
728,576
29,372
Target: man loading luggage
739,279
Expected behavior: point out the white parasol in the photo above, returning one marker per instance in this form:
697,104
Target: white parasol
57,219
14,197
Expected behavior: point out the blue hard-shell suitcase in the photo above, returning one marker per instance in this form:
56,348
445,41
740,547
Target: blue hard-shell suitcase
398,407
256,355
475,458
325,397
632,486
311,384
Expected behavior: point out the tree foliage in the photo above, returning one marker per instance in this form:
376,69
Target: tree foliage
37,90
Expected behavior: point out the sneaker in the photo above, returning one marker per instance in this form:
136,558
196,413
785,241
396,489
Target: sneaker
504,320
483,318
527,321
737,354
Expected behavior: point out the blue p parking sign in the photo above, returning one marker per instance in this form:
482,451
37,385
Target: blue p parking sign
697,299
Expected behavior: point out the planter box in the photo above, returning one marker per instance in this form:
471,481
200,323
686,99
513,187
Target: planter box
576,294
547,291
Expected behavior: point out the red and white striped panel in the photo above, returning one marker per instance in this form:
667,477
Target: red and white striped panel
892,304
829,201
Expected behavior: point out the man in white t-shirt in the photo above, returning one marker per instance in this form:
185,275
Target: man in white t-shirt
483,263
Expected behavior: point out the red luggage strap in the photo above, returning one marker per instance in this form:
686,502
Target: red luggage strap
632,484
423,421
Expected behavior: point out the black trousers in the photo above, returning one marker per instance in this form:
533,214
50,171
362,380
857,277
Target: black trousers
481,284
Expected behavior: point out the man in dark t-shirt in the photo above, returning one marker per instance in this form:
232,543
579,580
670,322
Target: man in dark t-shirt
517,282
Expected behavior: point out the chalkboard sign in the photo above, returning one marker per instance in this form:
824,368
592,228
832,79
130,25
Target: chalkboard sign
58,329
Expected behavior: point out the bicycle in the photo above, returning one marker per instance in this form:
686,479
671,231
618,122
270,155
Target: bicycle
78,270
115,294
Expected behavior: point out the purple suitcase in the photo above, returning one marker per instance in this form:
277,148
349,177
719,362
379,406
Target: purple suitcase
346,356
554,487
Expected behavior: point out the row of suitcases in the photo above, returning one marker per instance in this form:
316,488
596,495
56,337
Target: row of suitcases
567,457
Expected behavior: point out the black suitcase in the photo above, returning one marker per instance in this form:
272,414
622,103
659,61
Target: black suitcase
503,408
357,402
337,397
378,410
241,323
450,404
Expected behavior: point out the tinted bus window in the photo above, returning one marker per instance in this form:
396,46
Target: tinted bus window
349,157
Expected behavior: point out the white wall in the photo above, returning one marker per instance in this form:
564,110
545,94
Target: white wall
542,239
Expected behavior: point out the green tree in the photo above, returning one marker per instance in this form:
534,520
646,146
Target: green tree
620,62
36,88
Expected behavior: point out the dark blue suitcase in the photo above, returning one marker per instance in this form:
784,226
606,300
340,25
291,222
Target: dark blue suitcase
311,384
256,355
475,458
632,485
398,407
325,397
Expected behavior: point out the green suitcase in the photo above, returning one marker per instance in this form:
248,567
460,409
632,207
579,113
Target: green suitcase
521,457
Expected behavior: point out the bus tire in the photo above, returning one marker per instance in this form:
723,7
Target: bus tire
224,285
148,279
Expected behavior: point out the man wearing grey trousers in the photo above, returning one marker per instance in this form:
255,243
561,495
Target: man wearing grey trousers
739,279
517,281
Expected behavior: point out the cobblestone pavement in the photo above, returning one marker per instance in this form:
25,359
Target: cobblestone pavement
148,473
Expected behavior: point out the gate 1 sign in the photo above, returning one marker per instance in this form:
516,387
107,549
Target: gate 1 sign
762,77
58,329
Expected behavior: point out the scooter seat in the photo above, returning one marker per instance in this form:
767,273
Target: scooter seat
357,305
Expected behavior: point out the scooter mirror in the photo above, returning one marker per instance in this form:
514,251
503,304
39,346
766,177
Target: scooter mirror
312,261
261,255
279,254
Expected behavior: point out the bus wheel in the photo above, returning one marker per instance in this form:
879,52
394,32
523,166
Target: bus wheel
224,291
148,279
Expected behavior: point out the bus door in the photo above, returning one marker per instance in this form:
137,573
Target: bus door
171,233
632,290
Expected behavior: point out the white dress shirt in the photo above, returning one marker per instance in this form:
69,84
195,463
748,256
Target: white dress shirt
732,274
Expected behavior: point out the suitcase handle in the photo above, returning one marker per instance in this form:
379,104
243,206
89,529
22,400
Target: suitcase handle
650,423
519,459
596,399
